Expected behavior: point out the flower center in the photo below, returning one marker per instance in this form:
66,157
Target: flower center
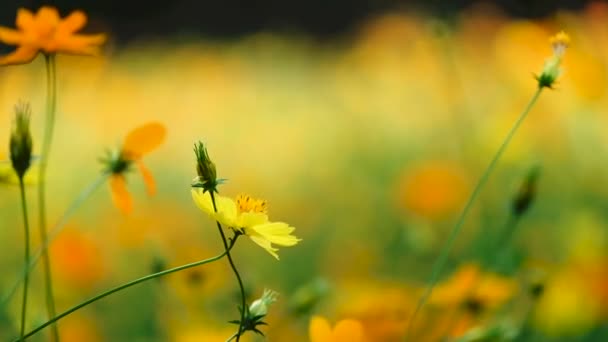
247,204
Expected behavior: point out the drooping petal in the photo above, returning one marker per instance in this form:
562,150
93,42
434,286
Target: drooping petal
120,195
10,37
276,232
73,22
148,178
25,19
319,330
348,330
264,243
144,139
77,44
23,54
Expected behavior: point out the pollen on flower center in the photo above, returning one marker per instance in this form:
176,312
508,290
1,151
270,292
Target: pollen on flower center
247,204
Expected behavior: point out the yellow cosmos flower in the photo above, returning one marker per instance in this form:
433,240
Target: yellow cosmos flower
347,330
45,31
247,216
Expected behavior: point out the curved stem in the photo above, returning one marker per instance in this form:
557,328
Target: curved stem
129,284
26,225
236,272
51,105
82,197
232,337
443,256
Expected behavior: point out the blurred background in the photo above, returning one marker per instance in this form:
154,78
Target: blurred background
365,124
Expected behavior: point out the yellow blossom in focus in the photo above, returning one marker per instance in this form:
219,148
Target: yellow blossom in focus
346,330
552,68
247,216
45,31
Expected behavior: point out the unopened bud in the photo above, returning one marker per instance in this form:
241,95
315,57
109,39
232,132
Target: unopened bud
527,192
21,140
552,68
205,168
259,307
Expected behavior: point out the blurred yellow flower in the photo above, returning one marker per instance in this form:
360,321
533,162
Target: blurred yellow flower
247,216
47,32
139,142
347,330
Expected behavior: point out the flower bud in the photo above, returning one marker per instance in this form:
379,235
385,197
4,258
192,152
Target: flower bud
205,168
21,140
552,68
526,193
259,307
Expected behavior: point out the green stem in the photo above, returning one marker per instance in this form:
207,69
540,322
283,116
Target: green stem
51,105
236,273
443,256
26,225
129,284
232,337
82,197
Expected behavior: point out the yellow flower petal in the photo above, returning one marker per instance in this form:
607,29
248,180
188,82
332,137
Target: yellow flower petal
143,139
276,232
264,243
148,178
226,208
348,330
73,22
319,330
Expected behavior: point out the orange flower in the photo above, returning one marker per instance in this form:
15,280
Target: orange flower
139,142
346,330
47,32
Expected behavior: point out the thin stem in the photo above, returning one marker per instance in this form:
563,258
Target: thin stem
232,337
26,225
129,284
236,272
51,104
82,197
443,256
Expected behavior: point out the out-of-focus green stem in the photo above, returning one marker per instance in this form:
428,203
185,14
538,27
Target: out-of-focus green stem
129,284
443,255
82,197
51,104
236,273
26,226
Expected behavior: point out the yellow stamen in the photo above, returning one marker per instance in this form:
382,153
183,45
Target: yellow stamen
247,204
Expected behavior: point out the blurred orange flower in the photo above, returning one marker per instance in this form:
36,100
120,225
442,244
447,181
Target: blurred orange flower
433,190
47,32
77,260
346,330
139,142
474,294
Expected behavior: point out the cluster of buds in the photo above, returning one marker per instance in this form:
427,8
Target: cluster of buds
21,140
552,68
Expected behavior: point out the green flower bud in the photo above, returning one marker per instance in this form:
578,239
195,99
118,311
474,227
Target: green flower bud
21,140
259,307
205,168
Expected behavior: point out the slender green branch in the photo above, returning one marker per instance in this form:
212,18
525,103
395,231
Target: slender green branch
82,197
236,273
51,104
443,255
26,225
129,284
232,337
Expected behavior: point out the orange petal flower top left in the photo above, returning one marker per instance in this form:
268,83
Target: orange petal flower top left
139,142
48,33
